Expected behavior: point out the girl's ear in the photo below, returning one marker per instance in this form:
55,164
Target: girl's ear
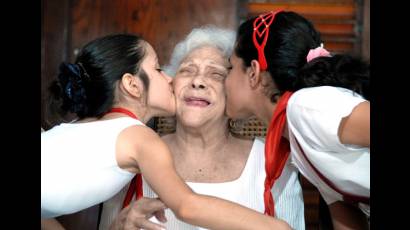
254,74
132,85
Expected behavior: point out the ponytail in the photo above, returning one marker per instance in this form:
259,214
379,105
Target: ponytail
87,88
71,87
339,71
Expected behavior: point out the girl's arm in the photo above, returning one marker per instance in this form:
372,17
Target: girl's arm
347,217
51,224
136,215
355,128
156,165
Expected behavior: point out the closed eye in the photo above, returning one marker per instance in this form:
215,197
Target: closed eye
218,76
186,70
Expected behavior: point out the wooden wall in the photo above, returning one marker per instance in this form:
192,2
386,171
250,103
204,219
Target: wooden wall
340,23
366,30
162,23
54,48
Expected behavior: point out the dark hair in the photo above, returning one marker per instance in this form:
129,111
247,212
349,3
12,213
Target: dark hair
290,39
87,87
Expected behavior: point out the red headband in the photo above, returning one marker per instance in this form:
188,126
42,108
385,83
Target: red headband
263,19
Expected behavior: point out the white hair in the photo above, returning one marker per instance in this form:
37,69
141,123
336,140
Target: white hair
210,35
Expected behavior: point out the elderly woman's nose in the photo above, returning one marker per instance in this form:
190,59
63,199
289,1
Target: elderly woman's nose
198,82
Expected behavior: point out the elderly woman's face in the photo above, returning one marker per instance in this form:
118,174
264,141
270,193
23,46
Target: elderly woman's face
199,87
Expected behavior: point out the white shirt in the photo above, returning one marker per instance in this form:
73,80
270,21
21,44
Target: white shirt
79,167
248,190
314,115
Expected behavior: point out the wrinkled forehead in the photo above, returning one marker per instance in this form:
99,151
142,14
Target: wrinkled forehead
206,56
204,63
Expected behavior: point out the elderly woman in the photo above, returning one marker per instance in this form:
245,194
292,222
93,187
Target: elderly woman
206,155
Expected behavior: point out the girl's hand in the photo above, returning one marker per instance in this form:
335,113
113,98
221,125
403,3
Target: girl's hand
136,215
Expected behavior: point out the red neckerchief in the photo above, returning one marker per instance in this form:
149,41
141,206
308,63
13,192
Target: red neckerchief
136,182
277,150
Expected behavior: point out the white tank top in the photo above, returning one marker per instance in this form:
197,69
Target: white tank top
248,190
78,165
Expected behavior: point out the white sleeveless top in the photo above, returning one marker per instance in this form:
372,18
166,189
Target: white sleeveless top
78,165
248,190
313,116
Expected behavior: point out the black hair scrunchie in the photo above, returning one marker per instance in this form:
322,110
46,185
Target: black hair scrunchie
72,78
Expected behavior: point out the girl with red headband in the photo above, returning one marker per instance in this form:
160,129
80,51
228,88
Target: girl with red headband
316,107
114,87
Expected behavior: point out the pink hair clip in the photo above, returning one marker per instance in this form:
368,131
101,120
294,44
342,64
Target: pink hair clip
318,52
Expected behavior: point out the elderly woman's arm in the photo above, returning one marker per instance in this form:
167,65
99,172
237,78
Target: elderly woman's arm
156,165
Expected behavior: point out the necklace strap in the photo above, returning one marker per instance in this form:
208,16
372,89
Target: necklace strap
123,111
